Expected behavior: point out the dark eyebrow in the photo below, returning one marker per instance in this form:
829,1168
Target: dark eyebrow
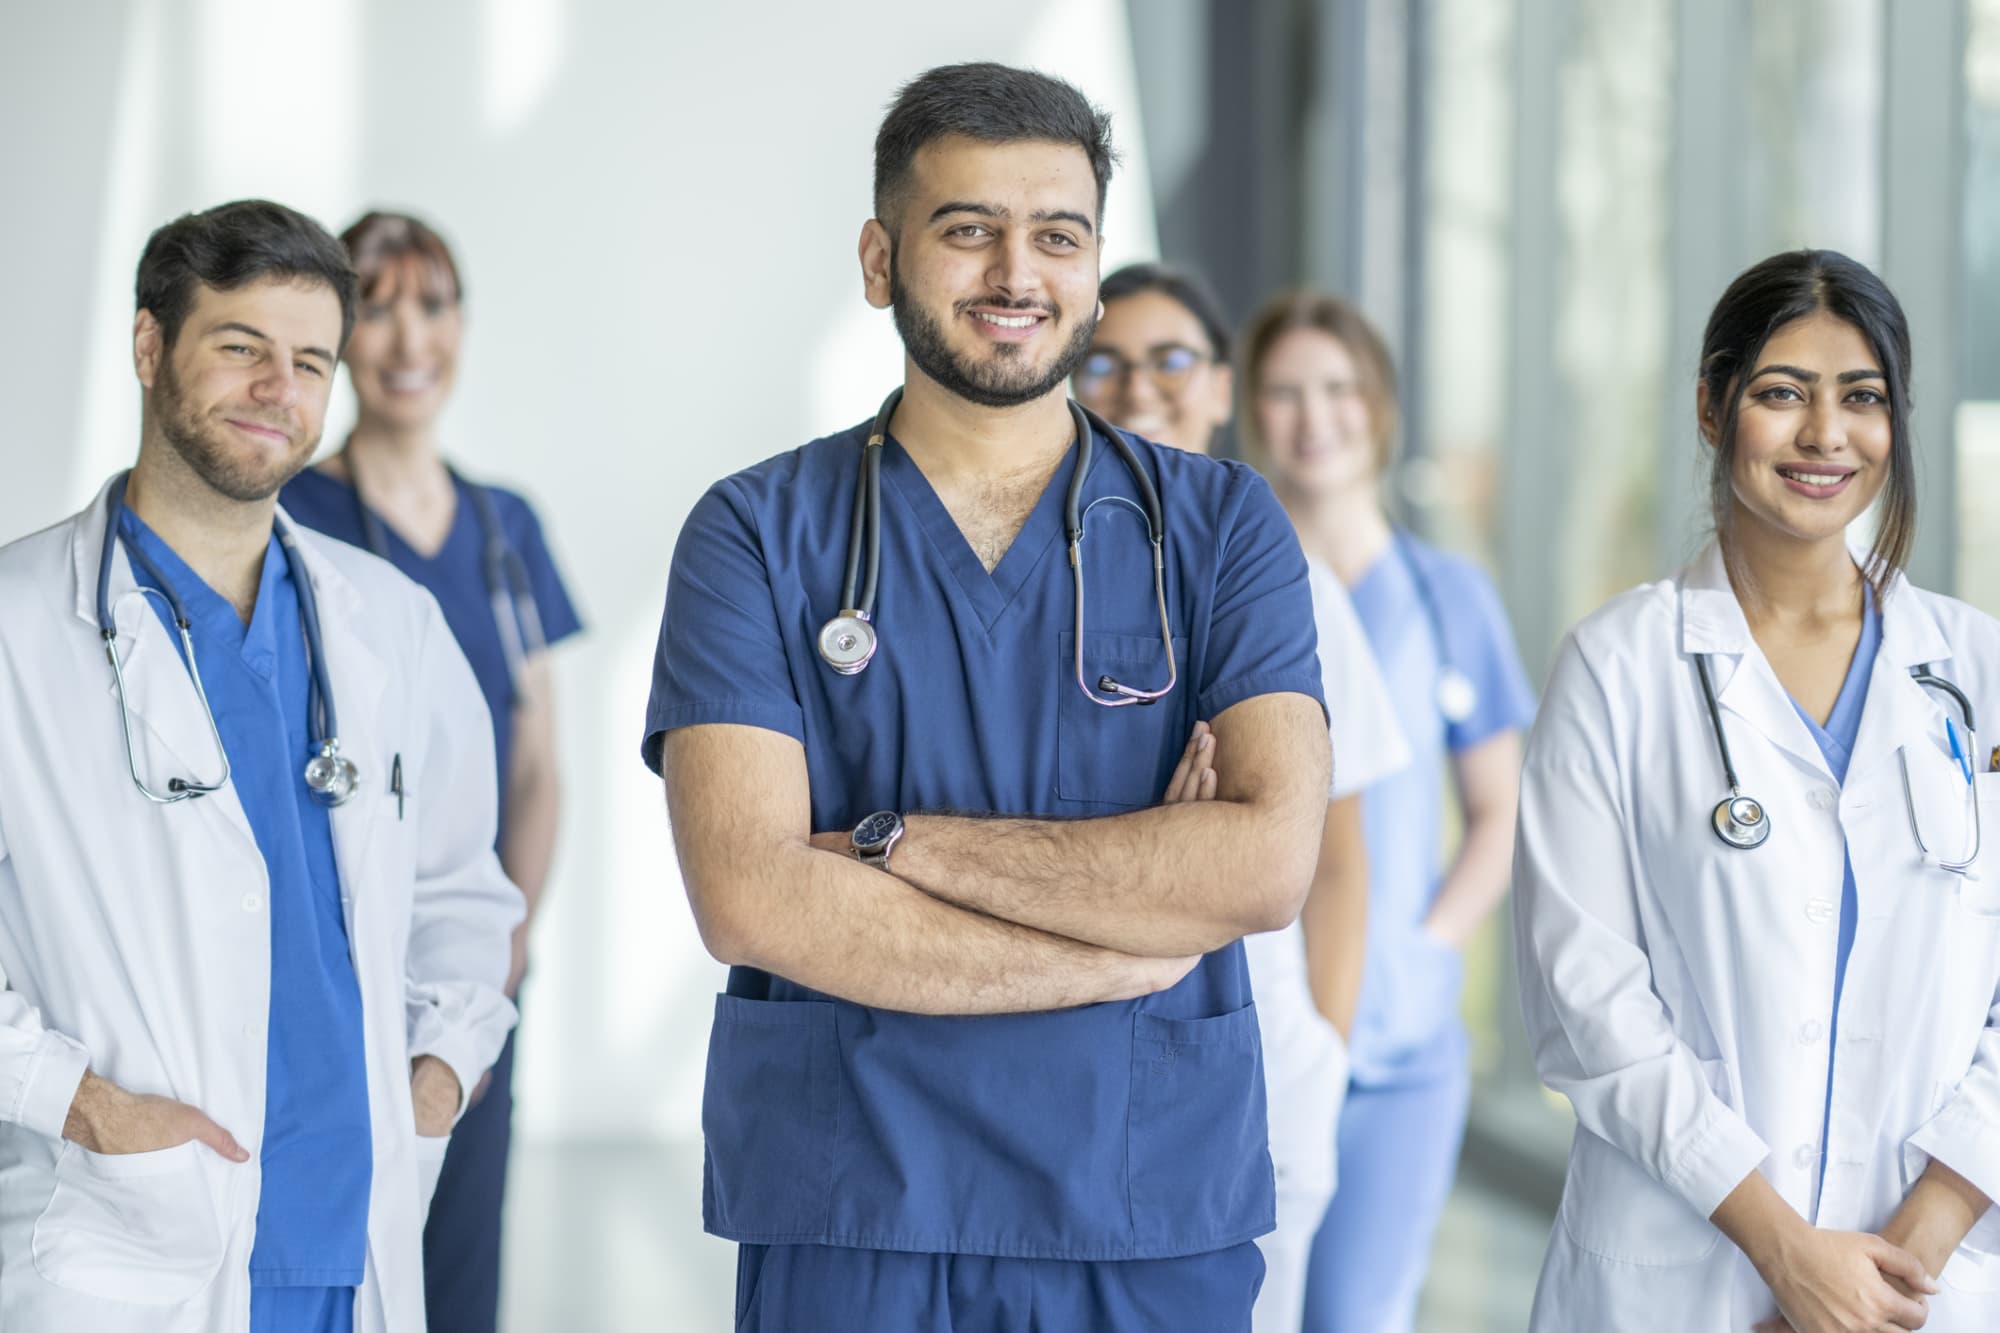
1812,376
1060,215
966,206
234,326
1001,214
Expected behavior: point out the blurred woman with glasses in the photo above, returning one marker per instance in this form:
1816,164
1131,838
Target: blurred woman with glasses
1158,366
1321,397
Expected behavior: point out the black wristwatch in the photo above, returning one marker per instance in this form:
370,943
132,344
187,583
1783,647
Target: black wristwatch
875,836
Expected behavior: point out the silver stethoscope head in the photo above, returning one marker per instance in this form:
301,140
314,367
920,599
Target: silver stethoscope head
331,776
1456,695
847,642
1741,822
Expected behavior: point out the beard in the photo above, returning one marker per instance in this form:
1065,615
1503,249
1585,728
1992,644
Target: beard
1004,379
197,440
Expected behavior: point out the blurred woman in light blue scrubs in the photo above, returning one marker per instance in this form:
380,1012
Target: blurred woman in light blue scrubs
1321,412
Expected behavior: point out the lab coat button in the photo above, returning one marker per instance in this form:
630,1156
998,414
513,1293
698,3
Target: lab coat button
253,902
1819,911
1810,1032
1805,1155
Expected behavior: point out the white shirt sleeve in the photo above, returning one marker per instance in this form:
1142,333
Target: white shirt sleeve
1367,744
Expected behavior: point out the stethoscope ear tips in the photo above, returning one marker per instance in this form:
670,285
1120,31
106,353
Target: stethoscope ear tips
1741,822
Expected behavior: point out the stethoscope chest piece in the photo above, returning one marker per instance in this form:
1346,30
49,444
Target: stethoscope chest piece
847,643
1741,822
331,776
1456,696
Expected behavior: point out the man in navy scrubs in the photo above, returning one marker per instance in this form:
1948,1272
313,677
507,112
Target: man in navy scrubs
996,1068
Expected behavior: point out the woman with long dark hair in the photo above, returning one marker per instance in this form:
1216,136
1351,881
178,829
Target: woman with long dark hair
1758,926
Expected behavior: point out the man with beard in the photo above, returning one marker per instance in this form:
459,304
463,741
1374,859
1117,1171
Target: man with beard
995,1068
252,930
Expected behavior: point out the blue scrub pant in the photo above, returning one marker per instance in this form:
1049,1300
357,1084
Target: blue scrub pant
301,1309
1398,1153
462,1235
829,1289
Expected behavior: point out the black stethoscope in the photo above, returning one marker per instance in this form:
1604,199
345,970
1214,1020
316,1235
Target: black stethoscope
1743,822
1457,696
330,776
847,642
512,597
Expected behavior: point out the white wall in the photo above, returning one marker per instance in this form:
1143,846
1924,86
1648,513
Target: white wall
655,208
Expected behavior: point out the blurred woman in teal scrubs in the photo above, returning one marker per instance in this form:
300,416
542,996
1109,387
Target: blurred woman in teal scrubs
1320,394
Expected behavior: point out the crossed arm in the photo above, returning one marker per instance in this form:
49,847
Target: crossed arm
995,915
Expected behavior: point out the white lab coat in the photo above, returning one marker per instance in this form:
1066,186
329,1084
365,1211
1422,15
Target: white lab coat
135,940
1680,991
1305,1060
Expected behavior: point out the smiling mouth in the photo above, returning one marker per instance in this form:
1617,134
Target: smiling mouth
1009,321
409,381
1816,480
261,430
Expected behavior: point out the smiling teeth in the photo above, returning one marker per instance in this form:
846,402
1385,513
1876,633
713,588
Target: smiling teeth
1815,478
1012,321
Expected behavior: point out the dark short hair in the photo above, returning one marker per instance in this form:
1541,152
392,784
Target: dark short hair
231,246
989,102
1182,286
1764,299
380,240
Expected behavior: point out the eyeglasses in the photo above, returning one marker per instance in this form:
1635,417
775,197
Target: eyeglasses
1168,366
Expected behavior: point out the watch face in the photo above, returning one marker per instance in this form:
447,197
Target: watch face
875,830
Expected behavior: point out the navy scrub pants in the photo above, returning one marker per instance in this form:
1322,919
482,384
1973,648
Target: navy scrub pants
831,1289
462,1235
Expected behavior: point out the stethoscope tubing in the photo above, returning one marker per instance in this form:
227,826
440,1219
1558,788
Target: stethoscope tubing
508,587
864,542
320,705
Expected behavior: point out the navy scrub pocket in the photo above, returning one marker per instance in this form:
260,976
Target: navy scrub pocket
1197,1139
1118,756
767,1117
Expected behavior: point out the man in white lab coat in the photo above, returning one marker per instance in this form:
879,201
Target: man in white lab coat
252,930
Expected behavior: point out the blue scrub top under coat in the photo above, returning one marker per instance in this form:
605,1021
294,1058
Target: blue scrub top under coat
1836,745
456,576
1406,1023
317,1156
1111,1131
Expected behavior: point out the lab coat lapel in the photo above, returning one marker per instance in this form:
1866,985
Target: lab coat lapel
1898,711
1712,624
360,682
171,735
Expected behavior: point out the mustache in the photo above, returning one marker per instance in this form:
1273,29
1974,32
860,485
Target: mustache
998,303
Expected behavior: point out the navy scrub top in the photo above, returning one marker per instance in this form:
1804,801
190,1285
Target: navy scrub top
456,576
317,1156
1128,1130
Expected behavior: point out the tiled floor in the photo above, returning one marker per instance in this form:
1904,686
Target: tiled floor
608,1240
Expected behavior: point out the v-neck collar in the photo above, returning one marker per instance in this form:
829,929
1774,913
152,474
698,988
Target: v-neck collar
1843,722
989,593
211,616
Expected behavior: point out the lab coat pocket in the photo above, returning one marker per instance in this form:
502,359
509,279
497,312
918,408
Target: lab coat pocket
430,1153
1117,756
768,1118
1613,1209
1189,1113
135,1227
1979,892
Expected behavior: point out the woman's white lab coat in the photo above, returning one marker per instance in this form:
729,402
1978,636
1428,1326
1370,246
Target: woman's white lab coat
135,939
1680,991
